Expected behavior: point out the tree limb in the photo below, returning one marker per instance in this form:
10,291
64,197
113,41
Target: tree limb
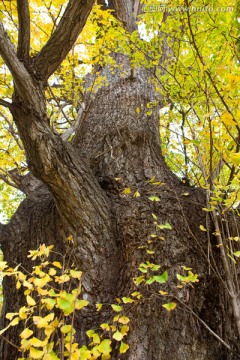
64,37
24,29
25,183
5,103
22,79
124,10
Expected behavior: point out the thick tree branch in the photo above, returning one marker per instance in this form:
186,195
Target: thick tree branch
24,29
125,11
22,79
25,183
64,37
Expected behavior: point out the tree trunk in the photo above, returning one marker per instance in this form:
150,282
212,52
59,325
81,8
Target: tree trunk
117,142
79,195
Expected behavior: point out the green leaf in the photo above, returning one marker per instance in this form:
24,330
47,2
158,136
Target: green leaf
170,306
85,354
162,278
66,306
116,308
150,280
189,278
155,267
154,198
96,339
164,226
49,302
138,280
127,300
186,268
66,329
105,347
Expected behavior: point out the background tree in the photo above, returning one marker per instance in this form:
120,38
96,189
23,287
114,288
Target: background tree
102,146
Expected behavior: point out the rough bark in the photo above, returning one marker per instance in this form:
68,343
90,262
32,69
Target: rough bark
78,194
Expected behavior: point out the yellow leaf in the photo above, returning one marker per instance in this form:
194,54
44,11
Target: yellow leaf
26,333
30,301
36,354
57,264
99,306
227,119
52,272
123,348
127,191
136,194
41,322
117,336
37,343
201,227
23,313
41,282
123,320
235,158
76,274
9,316
124,330
163,292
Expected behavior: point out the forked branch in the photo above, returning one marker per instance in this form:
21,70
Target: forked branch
63,38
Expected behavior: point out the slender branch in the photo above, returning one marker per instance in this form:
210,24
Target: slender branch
24,29
63,38
5,103
206,326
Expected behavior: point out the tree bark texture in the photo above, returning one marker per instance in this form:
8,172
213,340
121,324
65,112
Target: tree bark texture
77,193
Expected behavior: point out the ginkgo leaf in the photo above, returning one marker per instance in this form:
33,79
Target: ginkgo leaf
123,320
30,300
42,322
105,347
117,336
235,158
127,191
116,308
170,306
123,348
26,333
35,353
154,198
66,329
201,227
99,306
